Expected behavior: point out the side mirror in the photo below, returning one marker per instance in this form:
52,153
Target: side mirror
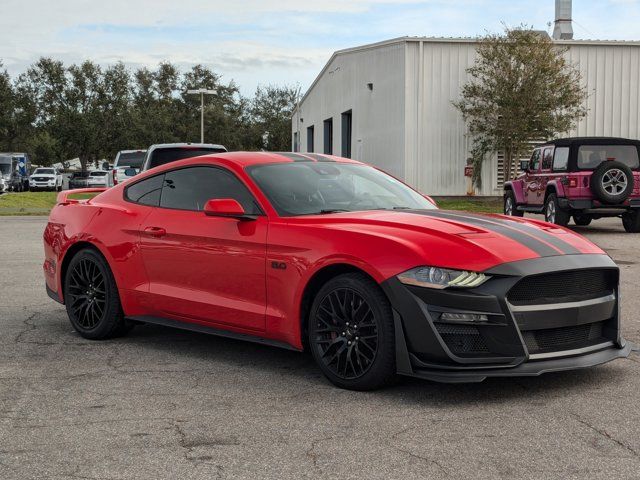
130,172
524,165
226,207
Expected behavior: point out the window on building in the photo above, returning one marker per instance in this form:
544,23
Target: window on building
328,136
310,132
296,142
346,134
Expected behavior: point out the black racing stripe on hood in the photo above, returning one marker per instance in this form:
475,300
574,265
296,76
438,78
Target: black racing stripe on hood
553,240
531,243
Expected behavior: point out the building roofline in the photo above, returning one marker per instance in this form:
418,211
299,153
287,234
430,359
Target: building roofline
407,39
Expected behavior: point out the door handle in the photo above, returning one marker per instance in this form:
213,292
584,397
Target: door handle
155,232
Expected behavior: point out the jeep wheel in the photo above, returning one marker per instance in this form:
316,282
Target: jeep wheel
631,221
582,220
553,213
510,206
612,182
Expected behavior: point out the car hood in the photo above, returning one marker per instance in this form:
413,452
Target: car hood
456,239
44,175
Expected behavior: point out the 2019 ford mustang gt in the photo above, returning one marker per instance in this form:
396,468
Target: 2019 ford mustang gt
316,252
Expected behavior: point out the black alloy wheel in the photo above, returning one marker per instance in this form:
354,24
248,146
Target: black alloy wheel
351,333
91,297
87,293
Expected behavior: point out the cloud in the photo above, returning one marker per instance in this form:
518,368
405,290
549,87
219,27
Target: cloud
264,41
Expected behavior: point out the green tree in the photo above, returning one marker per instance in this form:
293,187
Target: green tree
522,89
271,110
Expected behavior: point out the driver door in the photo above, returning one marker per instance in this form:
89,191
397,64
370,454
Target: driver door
203,268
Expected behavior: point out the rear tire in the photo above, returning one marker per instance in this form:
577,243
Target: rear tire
553,213
582,220
92,299
351,333
631,221
510,205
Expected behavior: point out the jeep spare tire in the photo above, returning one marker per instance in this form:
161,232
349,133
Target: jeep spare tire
612,182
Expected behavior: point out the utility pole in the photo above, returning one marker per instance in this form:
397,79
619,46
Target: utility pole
202,92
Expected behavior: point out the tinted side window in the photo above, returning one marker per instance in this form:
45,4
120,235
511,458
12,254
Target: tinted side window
146,192
547,158
561,159
190,188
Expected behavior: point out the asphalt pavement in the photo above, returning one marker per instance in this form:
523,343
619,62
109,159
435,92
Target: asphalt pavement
168,404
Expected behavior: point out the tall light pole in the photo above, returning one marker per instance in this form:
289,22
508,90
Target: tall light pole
202,92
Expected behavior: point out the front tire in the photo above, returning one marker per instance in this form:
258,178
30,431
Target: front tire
510,205
351,333
92,299
553,213
631,221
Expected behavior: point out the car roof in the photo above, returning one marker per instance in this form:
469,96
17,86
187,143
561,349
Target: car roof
568,142
139,150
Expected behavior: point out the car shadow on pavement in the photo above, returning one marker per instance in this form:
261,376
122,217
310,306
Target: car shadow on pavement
212,353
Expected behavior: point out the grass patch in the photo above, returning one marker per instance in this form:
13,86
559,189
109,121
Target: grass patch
31,203
471,204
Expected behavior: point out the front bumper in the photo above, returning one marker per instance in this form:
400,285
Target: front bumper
517,340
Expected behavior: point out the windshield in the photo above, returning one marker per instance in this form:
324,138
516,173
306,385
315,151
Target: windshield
162,156
5,168
44,171
130,159
590,156
311,188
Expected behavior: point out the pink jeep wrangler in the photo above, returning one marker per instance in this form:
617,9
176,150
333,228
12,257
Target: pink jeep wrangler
587,178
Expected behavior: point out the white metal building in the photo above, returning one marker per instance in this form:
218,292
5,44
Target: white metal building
390,104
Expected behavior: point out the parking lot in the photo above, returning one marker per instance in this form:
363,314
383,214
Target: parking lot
162,403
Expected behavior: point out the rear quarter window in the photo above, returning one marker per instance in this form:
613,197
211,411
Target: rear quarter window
146,192
590,156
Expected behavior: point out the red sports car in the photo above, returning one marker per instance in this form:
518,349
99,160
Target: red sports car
326,254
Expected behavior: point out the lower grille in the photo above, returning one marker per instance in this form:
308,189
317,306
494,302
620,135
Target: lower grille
563,338
462,339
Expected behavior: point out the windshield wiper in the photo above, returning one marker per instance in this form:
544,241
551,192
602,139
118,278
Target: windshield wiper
332,210
402,208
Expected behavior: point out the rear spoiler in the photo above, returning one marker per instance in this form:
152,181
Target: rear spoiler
63,197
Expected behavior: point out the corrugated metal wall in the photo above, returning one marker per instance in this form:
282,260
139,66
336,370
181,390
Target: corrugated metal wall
378,114
612,77
409,126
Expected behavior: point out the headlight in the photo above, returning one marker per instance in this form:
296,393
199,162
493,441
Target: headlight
434,277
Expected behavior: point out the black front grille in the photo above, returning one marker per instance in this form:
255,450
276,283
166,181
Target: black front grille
564,338
567,286
462,339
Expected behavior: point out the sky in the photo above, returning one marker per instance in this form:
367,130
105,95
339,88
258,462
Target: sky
262,42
